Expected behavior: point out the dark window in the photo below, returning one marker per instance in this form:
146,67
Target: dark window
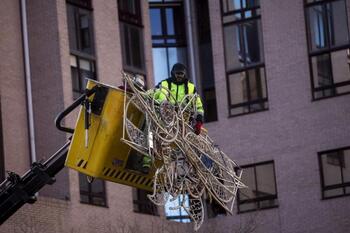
142,204
2,162
328,42
81,44
168,36
92,193
80,29
335,172
262,191
130,11
214,209
244,56
131,31
81,3
81,69
205,57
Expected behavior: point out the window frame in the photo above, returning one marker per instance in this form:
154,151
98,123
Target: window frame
324,187
179,39
125,49
259,199
327,50
79,3
90,195
143,206
130,22
78,41
128,17
246,68
78,56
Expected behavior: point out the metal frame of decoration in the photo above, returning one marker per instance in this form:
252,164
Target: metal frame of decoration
190,164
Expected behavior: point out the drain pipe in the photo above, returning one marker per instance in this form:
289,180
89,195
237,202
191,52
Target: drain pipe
190,41
28,80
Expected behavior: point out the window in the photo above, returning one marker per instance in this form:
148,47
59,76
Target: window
214,209
262,191
177,214
92,193
205,57
142,204
244,56
329,47
81,69
81,44
131,31
2,162
80,31
335,172
168,36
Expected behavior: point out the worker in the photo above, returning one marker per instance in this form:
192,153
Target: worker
179,86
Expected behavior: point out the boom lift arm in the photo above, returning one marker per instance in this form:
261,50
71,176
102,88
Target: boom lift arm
15,190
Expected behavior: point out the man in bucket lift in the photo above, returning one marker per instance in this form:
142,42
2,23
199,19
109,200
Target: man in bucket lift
179,87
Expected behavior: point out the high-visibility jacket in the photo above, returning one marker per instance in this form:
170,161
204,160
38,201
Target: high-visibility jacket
178,92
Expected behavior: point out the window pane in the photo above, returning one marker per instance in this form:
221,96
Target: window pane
83,183
84,64
231,5
75,79
177,55
333,192
243,44
239,110
265,180
321,68
73,61
156,22
248,178
97,187
98,201
257,84
268,203
127,6
170,21
317,27
248,206
160,66
340,66
71,27
337,21
136,48
85,33
233,48
84,198
346,167
238,87
331,173
174,213
252,38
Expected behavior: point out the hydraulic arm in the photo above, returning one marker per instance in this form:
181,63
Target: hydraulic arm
15,190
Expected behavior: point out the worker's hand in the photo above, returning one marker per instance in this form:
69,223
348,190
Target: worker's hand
199,124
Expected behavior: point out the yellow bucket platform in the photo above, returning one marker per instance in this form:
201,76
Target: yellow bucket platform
105,156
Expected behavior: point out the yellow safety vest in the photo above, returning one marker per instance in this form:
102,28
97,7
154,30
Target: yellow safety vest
178,92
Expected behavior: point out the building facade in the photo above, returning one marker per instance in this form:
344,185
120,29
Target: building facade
275,81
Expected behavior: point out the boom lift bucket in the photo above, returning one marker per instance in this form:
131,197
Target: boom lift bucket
96,149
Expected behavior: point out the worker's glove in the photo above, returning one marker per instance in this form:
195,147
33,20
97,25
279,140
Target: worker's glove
199,124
